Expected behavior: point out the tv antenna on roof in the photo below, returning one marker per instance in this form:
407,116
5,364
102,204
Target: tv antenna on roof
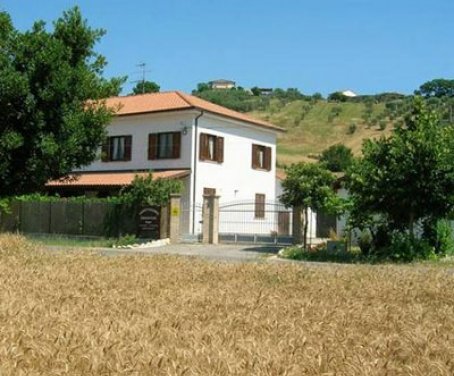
143,72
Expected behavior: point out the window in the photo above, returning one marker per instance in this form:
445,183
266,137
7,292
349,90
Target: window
261,157
117,148
164,145
211,148
259,205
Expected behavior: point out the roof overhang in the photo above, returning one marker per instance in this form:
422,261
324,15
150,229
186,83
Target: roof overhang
111,179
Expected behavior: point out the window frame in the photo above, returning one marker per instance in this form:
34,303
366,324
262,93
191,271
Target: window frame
218,148
267,157
154,147
107,152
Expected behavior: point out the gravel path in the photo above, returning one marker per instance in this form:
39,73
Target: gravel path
221,252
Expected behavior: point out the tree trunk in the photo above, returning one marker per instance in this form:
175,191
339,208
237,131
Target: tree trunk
411,225
305,228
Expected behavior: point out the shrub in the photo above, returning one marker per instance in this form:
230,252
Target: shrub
444,242
352,128
382,124
405,248
125,240
337,158
292,253
365,242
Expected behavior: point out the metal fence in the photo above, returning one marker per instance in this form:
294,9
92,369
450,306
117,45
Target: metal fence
248,221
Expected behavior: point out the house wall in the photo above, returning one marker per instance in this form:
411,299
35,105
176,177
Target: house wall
139,127
235,179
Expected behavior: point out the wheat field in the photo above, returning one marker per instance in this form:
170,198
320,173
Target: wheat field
86,314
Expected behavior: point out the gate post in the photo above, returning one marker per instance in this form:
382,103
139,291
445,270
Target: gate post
210,219
174,220
297,227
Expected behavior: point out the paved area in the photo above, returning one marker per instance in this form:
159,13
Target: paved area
220,253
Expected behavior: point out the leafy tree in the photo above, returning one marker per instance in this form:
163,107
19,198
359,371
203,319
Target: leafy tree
146,191
51,115
144,87
406,178
308,185
437,88
238,100
337,96
337,158
256,91
201,87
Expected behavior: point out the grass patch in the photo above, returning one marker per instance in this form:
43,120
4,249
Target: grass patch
80,242
85,314
56,240
310,130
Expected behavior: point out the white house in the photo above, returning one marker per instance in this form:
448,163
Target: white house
222,84
210,148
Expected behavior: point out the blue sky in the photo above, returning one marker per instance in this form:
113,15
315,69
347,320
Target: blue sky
368,46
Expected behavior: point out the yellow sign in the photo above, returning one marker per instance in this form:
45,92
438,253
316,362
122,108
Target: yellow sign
175,212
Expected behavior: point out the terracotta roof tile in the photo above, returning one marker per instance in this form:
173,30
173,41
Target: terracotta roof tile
113,179
173,101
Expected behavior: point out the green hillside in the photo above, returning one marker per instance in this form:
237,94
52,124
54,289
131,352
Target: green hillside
312,127
313,123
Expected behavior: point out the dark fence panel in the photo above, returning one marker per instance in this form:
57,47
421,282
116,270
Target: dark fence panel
71,218
74,218
35,217
93,220
58,215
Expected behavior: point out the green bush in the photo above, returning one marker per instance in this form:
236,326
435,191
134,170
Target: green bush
383,124
125,240
292,253
352,128
405,249
444,243
365,242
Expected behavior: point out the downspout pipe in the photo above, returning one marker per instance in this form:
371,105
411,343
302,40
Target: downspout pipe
194,180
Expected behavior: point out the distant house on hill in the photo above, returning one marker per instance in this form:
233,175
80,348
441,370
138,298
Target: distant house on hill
349,93
265,91
222,84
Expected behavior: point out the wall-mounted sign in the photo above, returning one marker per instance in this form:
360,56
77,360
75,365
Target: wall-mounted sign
175,212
